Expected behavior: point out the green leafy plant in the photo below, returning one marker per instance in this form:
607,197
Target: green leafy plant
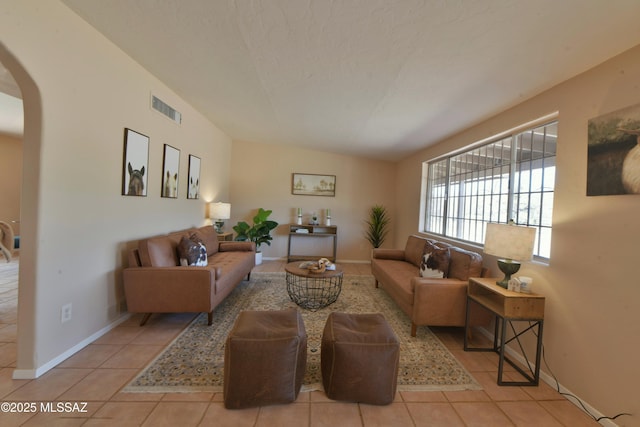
259,232
377,225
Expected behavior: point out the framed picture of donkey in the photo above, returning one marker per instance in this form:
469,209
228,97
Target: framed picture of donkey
170,169
193,189
135,165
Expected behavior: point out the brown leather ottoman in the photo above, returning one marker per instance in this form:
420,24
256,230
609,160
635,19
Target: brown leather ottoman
359,358
265,358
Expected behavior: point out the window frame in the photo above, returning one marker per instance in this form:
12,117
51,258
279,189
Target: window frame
526,177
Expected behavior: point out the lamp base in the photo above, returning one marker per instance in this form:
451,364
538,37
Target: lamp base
218,226
508,267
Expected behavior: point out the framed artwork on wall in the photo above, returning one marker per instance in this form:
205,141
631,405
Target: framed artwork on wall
170,170
193,189
613,164
135,165
304,184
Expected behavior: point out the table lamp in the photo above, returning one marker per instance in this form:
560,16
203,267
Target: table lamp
218,212
511,243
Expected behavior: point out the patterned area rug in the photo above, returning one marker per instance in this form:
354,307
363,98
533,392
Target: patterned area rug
195,359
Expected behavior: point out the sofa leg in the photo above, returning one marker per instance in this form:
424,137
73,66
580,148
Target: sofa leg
414,329
376,283
249,277
145,318
210,318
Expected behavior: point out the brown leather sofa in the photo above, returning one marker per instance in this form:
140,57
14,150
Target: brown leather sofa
155,282
429,301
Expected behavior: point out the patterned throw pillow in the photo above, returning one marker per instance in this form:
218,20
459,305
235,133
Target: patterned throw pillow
435,264
192,253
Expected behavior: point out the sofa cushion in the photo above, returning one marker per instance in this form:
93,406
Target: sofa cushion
192,253
414,250
158,252
464,264
231,267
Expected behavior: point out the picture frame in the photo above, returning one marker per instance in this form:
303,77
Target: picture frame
170,172
613,154
135,163
306,184
193,182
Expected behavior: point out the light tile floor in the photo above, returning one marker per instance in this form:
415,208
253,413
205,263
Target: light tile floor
97,374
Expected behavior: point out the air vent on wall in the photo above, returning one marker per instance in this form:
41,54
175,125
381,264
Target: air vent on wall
160,106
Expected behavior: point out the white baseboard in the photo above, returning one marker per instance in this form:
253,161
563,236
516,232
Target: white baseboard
551,381
30,374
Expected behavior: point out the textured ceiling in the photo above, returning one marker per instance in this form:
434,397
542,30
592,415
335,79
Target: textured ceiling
379,78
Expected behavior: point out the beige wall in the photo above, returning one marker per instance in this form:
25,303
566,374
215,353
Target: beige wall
592,333
261,178
10,182
80,92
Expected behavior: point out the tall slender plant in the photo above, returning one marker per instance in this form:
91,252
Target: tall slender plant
377,225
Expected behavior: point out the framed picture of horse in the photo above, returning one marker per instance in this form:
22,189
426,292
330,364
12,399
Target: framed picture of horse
193,189
170,169
135,165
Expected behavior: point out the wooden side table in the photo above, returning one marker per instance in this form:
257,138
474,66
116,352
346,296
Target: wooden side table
508,307
225,237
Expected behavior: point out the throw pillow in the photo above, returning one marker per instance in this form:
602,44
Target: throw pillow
192,253
435,263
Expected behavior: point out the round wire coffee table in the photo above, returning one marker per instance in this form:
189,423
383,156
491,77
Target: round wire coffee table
313,291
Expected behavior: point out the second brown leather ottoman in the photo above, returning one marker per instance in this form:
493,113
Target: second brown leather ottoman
265,358
359,358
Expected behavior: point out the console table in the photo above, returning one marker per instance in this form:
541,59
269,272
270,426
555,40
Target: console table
508,307
312,231
225,236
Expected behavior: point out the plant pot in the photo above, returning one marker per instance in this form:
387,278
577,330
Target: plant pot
258,258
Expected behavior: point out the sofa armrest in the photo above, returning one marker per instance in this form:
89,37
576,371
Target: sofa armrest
156,276
163,289
439,301
397,254
436,286
237,247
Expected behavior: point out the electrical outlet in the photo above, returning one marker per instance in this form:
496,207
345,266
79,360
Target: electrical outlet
65,313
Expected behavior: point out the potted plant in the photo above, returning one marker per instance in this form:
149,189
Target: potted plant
259,232
377,225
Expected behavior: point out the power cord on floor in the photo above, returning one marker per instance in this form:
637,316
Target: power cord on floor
574,397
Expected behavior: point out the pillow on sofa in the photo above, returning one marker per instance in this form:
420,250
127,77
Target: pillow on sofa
192,253
435,263
209,238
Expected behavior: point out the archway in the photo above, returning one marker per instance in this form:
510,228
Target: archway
26,339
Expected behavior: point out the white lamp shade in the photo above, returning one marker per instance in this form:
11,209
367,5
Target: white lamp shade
508,241
220,210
